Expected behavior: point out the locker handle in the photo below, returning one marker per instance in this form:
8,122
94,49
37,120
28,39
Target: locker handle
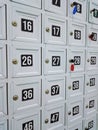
47,61
15,61
47,91
47,29
14,23
15,98
46,121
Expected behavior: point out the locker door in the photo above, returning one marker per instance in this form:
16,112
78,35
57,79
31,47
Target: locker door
3,124
53,117
2,60
3,102
77,126
92,60
93,11
76,60
35,3
2,22
76,34
90,122
54,60
90,104
91,83
25,24
75,85
53,89
92,36
77,9
25,94
25,60
55,29
56,6
25,122
74,110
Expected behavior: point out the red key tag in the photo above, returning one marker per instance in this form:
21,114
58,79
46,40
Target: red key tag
72,67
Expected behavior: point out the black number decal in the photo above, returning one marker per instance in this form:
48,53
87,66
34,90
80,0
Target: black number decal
77,60
90,124
27,94
26,60
94,38
91,103
56,2
93,60
95,13
56,60
56,31
26,25
75,110
28,125
79,8
75,85
92,82
77,34
55,90
54,117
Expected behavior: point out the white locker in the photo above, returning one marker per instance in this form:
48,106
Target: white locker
90,104
33,3
3,124
53,89
92,60
23,122
91,82
76,33
25,24
2,60
25,60
25,94
56,6
2,21
53,117
3,98
54,60
77,9
75,60
55,29
76,126
74,110
90,123
75,85
93,11
92,36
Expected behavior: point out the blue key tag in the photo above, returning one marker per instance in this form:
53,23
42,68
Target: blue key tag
75,10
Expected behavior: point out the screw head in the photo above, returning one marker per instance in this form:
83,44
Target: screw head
69,87
47,91
46,121
47,29
14,23
69,113
47,61
88,60
15,97
71,33
86,106
15,61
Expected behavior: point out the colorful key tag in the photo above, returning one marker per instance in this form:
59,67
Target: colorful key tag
75,10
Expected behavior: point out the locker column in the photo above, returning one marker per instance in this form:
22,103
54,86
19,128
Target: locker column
54,65
24,64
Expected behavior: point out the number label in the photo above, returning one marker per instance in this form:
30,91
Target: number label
56,31
93,60
79,8
75,85
91,103
94,38
77,34
54,117
56,60
92,82
75,110
28,125
90,124
26,60
26,25
56,2
95,13
55,90
27,94
77,60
